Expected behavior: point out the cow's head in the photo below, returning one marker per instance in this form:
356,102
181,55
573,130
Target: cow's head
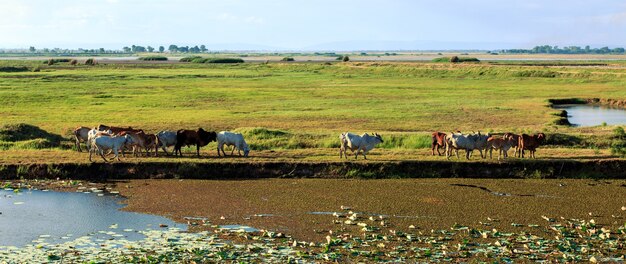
378,137
246,150
207,137
541,137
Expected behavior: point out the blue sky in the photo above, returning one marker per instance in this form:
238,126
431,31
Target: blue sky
313,25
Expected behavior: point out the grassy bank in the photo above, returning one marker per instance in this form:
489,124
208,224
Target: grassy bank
304,106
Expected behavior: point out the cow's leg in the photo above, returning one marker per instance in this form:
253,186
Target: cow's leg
90,153
102,155
490,153
522,153
164,148
233,150
432,149
116,156
77,142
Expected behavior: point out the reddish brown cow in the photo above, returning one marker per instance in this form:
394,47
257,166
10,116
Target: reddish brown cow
439,141
141,140
118,130
515,138
199,138
530,143
501,144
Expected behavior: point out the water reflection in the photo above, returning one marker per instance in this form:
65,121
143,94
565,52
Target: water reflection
593,115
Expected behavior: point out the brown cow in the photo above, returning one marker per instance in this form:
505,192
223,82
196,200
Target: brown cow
141,140
530,143
118,130
439,141
199,138
515,138
81,134
502,144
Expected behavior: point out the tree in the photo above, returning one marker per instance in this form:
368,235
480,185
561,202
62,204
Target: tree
102,50
173,48
32,49
183,49
150,49
126,49
161,49
345,58
203,48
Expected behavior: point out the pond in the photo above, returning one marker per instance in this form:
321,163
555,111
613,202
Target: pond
593,115
35,216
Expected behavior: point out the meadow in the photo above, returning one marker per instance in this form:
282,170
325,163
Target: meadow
306,105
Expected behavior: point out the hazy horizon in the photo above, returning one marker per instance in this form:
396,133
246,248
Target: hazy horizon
312,26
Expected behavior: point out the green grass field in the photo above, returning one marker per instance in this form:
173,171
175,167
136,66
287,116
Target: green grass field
303,105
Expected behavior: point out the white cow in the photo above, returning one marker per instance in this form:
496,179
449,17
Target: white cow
167,139
93,133
232,139
114,143
468,142
358,143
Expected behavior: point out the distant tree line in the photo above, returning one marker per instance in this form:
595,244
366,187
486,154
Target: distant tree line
547,49
60,51
125,50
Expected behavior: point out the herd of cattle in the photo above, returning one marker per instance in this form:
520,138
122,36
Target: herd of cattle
105,139
486,142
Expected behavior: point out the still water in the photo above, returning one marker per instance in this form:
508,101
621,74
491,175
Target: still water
593,115
33,216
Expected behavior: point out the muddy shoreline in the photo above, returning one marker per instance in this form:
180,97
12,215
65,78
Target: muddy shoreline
516,169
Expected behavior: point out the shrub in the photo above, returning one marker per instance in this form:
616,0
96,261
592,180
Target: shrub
226,60
618,133
442,59
73,62
536,73
200,60
455,59
288,59
618,146
91,62
54,61
13,69
189,58
345,58
153,58
32,135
